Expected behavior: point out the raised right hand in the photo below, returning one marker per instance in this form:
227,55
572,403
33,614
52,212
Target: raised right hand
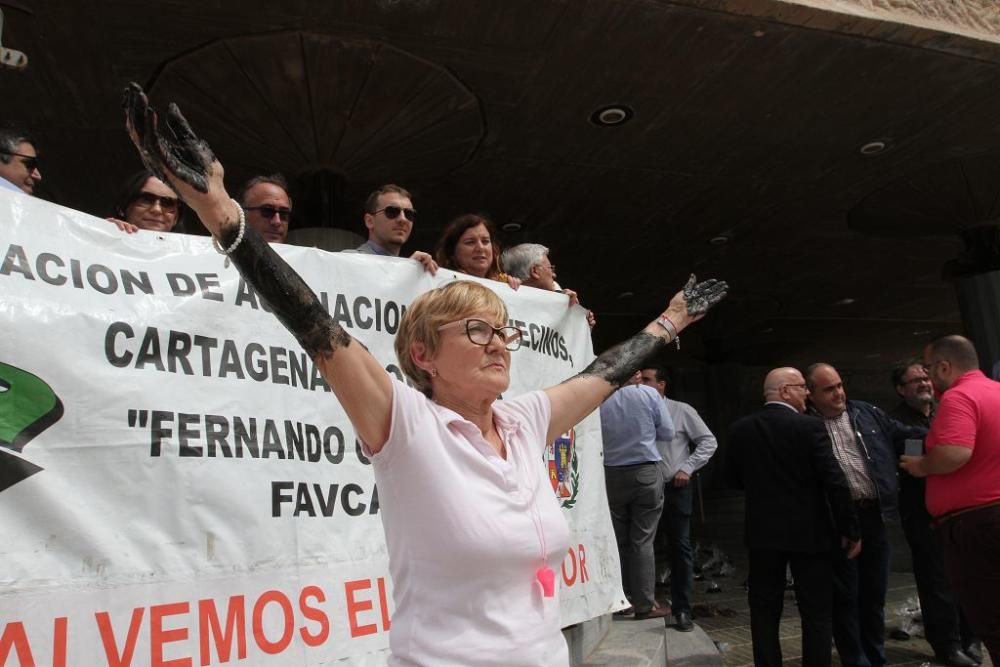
178,157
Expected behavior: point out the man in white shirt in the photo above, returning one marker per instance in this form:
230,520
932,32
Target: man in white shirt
683,455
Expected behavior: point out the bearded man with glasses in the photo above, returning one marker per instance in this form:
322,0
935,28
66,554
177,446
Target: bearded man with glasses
18,161
945,627
389,217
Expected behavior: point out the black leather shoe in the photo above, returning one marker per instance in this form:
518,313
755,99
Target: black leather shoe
975,652
956,658
683,622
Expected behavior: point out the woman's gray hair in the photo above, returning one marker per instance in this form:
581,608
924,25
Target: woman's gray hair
517,261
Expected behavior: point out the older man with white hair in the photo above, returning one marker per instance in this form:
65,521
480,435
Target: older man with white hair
529,262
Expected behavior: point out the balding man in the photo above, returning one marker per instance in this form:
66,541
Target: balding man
865,441
962,467
782,459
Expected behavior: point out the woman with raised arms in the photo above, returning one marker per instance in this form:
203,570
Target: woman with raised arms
474,532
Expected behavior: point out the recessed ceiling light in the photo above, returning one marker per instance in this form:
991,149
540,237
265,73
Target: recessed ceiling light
626,295
922,332
512,226
873,148
612,115
844,302
721,239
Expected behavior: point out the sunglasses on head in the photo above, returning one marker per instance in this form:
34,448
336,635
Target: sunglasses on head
30,162
268,212
148,199
392,212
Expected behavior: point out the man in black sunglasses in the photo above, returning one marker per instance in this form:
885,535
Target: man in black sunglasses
18,161
389,217
268,206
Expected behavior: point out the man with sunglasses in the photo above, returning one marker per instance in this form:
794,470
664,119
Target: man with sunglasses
946,629
267,205
389,218
18,161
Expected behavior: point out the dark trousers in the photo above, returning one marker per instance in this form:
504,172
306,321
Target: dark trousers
635,496
859,594
812,572
675,525
971,557
944,625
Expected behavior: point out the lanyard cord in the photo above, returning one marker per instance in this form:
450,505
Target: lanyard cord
544,574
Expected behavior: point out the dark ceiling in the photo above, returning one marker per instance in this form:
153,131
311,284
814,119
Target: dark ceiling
749,119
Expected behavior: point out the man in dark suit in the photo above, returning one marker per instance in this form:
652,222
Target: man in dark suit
784,462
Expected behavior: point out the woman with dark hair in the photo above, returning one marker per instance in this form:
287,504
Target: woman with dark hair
473,532
146,202
468,244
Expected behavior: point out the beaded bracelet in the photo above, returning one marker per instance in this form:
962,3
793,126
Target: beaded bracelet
239,237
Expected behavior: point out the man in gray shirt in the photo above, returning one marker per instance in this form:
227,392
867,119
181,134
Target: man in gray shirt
680,462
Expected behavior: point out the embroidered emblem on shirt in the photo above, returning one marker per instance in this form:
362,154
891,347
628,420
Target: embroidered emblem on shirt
564,471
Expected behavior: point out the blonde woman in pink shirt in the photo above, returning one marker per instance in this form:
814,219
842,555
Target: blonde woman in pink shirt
473,530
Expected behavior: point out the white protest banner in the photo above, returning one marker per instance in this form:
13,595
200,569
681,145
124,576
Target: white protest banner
178,485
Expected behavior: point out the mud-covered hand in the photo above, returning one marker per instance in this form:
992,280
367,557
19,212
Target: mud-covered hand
174,153
699,297
691,303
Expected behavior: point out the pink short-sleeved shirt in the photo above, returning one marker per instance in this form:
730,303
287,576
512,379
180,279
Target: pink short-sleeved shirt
968,416
466,532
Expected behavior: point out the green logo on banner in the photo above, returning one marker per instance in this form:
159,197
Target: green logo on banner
28,406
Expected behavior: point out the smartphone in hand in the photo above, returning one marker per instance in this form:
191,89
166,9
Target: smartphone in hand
913,447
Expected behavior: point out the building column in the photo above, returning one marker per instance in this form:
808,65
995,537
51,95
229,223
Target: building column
976,274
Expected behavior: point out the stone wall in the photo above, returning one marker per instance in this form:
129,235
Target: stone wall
978,19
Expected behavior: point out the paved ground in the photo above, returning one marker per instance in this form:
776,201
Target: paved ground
725,616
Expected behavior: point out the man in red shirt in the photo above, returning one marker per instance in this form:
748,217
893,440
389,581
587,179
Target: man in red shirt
962,466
